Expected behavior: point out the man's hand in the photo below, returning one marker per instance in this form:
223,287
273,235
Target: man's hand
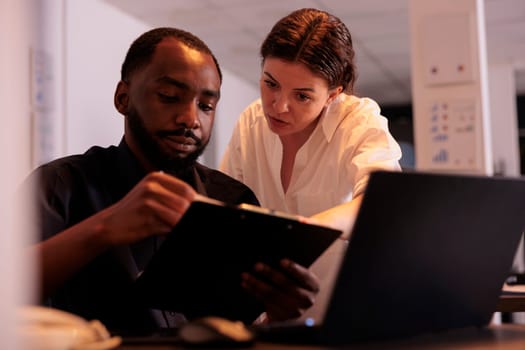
286,292
154,206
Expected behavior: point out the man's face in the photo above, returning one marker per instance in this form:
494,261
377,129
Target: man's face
170,106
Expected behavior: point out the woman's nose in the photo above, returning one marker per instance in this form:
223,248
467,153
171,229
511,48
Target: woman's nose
280,103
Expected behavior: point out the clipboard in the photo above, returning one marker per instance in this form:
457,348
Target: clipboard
197,269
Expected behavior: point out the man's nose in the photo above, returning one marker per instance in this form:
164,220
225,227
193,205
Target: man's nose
188,116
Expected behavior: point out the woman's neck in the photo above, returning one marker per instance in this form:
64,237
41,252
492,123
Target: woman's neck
291,145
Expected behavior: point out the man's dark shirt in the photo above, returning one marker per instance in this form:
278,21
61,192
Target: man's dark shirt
73,188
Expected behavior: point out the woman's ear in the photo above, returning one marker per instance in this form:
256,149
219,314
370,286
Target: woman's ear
121,98
332,94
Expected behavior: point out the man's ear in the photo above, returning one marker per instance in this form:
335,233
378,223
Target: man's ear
121,98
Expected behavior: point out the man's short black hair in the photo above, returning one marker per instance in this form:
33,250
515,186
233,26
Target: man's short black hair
142,49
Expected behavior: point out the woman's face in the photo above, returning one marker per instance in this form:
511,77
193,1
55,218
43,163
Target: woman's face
292,96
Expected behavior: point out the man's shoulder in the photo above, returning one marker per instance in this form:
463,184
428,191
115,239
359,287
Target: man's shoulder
217,177
94,157
224,187
90,166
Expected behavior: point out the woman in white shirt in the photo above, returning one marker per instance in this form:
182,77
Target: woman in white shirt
307,145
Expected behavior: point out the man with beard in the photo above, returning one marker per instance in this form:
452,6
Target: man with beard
103,214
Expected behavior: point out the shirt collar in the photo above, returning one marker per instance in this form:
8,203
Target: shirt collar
331,117
128,165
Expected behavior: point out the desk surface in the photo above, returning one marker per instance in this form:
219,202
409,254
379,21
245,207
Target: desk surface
502,337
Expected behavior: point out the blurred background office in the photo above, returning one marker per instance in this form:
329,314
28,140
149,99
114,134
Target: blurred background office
77,57
60,62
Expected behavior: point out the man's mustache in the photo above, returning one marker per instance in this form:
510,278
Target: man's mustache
181,132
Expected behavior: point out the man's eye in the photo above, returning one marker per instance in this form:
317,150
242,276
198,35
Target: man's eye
168,98
206,107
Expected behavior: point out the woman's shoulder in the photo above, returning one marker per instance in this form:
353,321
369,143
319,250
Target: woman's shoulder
358,113
356,104
252,115
253,109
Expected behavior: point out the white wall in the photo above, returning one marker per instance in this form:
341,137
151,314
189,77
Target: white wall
236,94
97,39
504,119
16,24
47,82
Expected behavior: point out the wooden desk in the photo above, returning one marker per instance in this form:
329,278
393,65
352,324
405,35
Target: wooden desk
502,337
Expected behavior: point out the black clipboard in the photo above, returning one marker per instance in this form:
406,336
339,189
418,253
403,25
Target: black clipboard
197,269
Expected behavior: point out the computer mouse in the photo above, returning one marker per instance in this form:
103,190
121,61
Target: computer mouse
213,330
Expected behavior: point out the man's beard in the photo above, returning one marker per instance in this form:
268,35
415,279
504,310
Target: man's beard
159,156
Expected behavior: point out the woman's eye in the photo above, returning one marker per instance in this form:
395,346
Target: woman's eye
303,97
270,83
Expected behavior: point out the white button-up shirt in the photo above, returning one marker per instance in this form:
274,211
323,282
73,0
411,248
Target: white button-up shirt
350,140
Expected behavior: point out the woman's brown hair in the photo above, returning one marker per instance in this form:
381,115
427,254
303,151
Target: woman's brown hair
318,40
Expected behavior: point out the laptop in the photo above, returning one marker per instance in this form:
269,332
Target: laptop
428,252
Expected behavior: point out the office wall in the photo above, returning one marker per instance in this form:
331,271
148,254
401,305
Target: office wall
504,120
46,62
16,23
236,95
97,37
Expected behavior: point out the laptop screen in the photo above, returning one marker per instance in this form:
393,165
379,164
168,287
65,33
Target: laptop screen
428,252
